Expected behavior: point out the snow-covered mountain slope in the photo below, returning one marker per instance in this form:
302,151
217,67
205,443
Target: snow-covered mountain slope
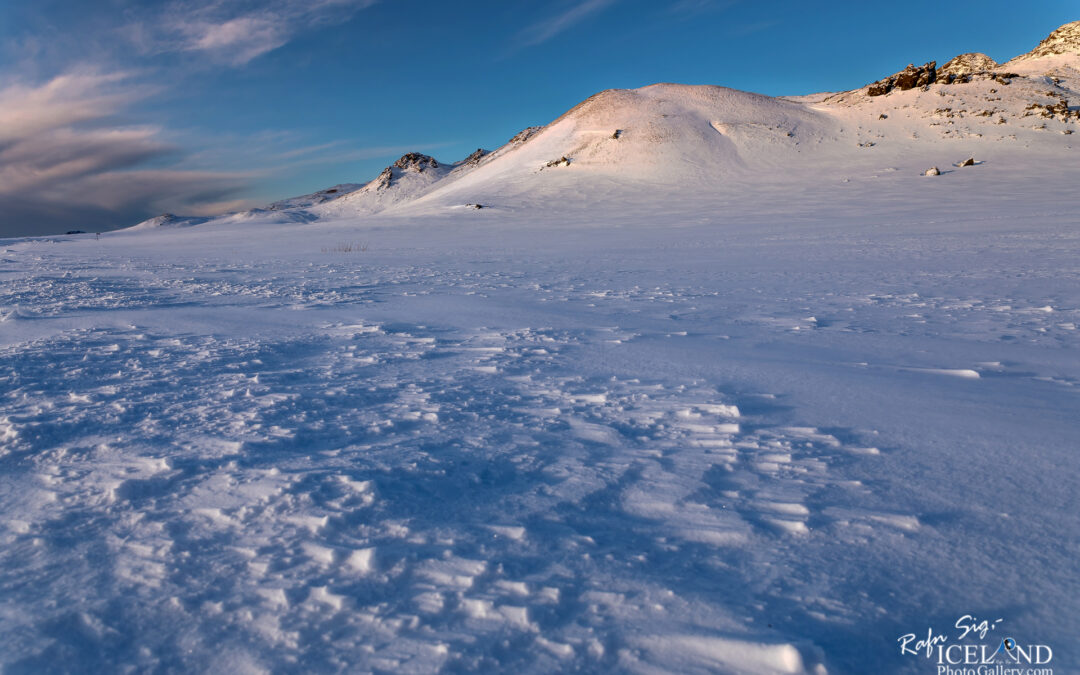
645,141
667,144
657,144
1063,41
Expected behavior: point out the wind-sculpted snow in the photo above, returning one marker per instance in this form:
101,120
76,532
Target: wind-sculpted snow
394,486
485,452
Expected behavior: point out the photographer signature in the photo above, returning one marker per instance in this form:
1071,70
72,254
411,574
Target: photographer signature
968,624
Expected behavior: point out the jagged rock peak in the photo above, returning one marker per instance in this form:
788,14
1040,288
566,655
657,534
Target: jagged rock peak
1064,40
475,157
524,135
966,64
415,161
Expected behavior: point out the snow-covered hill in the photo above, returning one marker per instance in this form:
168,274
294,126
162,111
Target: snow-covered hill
1063,41
622,148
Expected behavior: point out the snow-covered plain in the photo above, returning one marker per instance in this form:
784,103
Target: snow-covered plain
732,391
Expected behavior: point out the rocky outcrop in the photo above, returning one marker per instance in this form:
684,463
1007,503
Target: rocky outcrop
909,78
879,88
382,181
475,157
959,70
967,64
917,76
415,161
1064,40
524,135
410,161
1059,110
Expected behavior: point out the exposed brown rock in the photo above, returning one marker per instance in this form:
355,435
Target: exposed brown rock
967,64
909,78
475,157
383,180
524,135
1059,110
415,161
879,88
917,76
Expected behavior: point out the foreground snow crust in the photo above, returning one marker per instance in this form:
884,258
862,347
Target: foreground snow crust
663,441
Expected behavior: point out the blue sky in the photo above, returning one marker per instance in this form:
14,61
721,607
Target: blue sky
115,110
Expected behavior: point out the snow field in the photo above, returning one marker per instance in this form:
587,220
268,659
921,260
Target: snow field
484,457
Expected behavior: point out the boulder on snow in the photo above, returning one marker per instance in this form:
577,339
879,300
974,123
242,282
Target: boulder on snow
970,161
932,171
1059,110
562,161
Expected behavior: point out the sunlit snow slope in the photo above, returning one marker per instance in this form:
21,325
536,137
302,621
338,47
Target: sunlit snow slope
664,144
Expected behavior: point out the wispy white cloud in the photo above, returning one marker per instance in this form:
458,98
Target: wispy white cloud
240,39
68,99
234,32
548,28
69,160
70,154
64,155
